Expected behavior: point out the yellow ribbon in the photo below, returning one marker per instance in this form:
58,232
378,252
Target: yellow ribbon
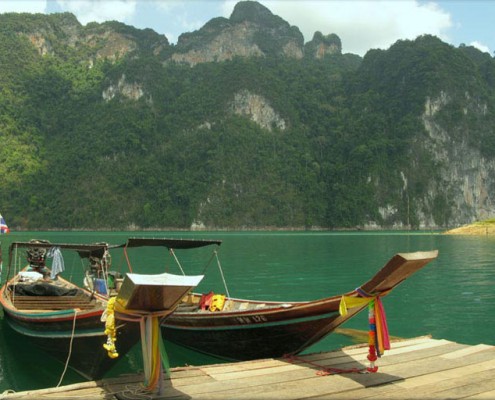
347,302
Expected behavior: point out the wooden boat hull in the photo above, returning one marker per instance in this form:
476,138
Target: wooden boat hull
247,330
259,334
71,334
84,350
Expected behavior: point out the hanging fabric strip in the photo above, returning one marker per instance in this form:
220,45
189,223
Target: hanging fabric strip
58,265
384,326
379,324
155,358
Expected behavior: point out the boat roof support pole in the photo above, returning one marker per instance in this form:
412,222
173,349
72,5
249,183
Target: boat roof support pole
221,273
177,261
127,259
13,259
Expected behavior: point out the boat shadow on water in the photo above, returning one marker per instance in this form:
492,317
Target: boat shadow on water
19,354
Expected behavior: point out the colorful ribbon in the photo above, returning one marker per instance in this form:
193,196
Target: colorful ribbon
155,358
379,339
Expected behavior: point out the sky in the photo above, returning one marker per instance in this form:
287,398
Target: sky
361,24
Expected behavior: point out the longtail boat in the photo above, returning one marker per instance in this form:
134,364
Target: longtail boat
247,329
72,322
240,329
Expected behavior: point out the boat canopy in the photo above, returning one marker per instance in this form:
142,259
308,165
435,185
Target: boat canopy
170,243
84,250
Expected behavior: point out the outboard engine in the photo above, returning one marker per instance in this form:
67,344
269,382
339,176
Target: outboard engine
36,256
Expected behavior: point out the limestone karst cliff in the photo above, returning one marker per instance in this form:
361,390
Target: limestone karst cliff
239,125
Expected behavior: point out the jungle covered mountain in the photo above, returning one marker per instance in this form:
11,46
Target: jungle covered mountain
240,125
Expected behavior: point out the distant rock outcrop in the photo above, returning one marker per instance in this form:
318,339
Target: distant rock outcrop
258,110
251,31
133,91
53,34
322,46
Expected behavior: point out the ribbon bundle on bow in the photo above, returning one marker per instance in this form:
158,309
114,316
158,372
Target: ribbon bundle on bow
110,330
378,336
155,358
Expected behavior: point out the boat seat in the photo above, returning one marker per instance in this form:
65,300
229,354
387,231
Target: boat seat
187,307
52,302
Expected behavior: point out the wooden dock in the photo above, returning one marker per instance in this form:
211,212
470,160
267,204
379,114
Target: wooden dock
422,368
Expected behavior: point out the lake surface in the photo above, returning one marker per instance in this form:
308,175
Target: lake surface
452,298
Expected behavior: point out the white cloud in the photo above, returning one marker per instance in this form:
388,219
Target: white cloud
100,10
363,25
168,5
21,6
480,46
228,7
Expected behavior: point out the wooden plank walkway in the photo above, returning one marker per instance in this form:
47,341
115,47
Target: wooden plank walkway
422,368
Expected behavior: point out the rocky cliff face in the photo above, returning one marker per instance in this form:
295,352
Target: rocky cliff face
258,109
322,46
469,177
251,31
52,34
129,90
227,43
463,179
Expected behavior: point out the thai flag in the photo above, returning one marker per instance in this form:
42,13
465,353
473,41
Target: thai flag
3,226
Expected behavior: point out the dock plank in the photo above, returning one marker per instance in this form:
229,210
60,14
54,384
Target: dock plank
490,395
414,368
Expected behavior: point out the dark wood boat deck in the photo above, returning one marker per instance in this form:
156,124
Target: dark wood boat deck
422,368
43,303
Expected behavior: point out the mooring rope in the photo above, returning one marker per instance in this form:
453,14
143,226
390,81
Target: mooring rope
70,348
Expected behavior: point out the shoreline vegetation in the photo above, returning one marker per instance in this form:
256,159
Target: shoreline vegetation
486,227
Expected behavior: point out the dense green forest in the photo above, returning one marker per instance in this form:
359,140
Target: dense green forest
177,155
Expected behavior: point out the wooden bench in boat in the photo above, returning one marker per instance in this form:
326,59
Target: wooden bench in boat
52,302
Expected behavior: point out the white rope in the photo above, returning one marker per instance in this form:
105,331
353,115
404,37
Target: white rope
221,273
70,348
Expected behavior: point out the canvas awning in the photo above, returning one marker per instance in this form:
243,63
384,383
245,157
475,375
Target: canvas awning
170,243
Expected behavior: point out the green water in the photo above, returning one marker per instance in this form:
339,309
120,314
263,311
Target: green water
451,298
